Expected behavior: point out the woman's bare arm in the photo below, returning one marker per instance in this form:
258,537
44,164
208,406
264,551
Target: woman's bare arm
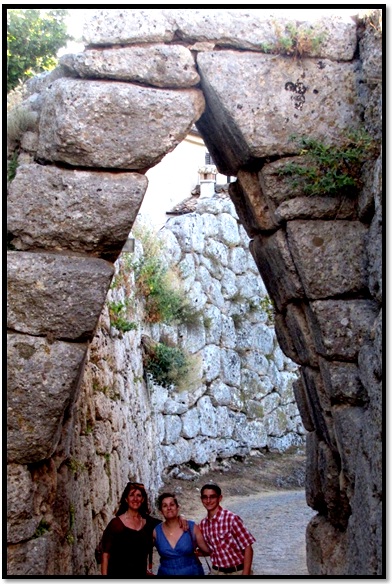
104,564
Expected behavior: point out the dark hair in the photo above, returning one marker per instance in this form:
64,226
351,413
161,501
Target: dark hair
165,496
212,486
144,508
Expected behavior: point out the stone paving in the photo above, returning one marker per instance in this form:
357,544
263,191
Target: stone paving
278,521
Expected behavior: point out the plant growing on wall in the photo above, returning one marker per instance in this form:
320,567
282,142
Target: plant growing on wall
170,366
19,121
117,313
167,365
42,528
164,300
294,41
329,169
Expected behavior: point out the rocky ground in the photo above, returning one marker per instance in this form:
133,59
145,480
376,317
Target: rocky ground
240,477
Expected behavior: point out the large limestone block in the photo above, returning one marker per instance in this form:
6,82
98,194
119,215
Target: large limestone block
288,201
342,382
316,208
243,29
203,450
50,208
272,98
177,453
251,29
326,548
208,418
253,434
329,256
251,205
365,530
21,522
56,295
230,367
156,65
42,380
114,125
35,557
115,26
341,327
173,427
190,423
367,366
294,330
348,422
336,499
319,405
224,395
303,404
277,269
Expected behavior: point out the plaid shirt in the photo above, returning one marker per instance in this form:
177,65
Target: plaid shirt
227,537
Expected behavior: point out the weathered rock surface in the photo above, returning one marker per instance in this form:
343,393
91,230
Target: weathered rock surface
158,65
50,208
342,327
114,125
243,29
329,256
21,523
296,98
275,263
43,379
50,295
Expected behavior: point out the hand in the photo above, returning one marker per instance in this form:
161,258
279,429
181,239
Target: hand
183,523
149,573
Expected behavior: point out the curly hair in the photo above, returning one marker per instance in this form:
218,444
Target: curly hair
166,496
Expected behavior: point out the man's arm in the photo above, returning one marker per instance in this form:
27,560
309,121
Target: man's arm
248,557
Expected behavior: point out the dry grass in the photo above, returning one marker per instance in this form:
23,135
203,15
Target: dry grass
19,121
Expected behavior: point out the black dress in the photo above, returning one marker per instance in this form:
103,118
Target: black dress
127,548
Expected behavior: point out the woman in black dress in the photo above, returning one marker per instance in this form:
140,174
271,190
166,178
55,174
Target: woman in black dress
127,539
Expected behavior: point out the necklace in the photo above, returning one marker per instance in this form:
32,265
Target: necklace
168,529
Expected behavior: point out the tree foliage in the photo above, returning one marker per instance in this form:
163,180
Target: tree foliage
33,39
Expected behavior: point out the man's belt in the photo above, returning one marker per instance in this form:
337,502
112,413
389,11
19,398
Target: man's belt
229,570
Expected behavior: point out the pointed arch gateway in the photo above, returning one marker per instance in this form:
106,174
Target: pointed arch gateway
114,111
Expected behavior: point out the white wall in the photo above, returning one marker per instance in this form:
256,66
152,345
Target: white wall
173,179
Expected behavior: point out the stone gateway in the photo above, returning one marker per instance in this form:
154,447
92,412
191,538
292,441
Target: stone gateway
97,123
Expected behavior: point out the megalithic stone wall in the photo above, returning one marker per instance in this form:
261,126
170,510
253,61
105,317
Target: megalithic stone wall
96,125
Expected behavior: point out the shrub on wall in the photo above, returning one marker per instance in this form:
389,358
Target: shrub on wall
329,169
171,366
164,300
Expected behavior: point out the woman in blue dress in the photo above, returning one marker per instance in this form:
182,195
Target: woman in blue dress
175,546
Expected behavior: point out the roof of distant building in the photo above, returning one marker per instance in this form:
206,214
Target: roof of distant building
188,205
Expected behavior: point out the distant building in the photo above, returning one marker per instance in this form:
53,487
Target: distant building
175,178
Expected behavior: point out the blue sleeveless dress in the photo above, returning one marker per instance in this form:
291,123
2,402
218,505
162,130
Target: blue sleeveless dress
180,560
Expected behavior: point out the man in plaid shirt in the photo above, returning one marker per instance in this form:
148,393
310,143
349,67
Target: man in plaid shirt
226,535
